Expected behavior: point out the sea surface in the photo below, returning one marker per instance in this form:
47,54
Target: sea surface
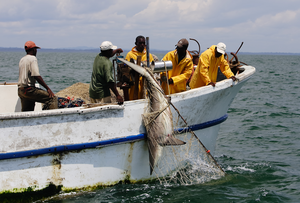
258,145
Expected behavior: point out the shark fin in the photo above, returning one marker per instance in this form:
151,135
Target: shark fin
170,140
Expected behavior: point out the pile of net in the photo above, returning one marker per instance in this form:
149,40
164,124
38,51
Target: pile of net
76,91
69,102
78,94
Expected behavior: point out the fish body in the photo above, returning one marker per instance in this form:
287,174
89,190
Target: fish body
158,119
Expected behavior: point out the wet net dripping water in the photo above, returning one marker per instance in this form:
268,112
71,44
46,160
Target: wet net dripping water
186,164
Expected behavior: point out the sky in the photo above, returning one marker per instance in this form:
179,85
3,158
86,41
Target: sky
263,25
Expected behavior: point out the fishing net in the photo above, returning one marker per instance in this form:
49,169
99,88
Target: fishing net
170,161
186,164
80,91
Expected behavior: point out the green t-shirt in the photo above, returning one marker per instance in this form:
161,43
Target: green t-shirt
101,76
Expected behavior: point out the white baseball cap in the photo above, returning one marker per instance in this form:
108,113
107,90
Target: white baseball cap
221,47
106,45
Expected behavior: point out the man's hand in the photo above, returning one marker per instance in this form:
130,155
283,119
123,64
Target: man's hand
118,51
42,82
212,83
51,94
119,100
113,87
233,78
163,78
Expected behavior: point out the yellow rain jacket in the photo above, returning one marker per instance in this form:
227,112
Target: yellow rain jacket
133,54
180,73
207,69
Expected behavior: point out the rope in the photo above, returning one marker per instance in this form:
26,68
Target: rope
167,77
192,132
159,112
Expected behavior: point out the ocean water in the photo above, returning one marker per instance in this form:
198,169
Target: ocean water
258,145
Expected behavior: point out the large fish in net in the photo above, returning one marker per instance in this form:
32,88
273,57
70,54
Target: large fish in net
157,119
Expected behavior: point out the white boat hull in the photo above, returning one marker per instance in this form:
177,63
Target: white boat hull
100,146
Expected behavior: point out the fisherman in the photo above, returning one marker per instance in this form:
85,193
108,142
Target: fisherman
207,69
138,50
102,79
182,62
28,75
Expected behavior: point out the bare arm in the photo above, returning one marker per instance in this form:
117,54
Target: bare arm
112,86
117,51
42,82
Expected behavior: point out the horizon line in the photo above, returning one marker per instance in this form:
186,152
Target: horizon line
98,49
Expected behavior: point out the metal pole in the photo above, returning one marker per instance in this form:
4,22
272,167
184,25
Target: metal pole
147,51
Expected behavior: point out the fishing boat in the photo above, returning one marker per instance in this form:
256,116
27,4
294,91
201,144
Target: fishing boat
102,145
86,146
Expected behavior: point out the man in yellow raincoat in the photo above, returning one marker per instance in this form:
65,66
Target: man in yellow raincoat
182,69
138,50
207,69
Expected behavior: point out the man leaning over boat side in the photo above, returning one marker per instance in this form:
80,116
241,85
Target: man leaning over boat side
207,69
138,50
182,69
28,75
102,79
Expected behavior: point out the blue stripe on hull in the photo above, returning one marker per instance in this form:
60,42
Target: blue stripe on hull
55,149
202,125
